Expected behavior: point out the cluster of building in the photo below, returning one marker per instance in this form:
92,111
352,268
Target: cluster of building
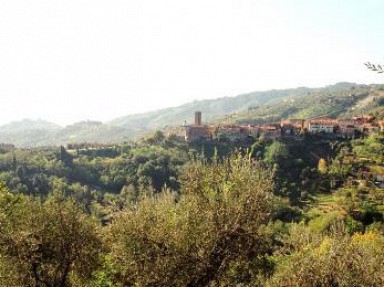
342,127
286,128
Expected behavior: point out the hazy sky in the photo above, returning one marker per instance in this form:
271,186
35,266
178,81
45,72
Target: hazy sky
72,60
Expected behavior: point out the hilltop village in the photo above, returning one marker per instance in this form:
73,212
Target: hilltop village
344,128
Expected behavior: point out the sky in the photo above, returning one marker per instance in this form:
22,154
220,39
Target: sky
71,60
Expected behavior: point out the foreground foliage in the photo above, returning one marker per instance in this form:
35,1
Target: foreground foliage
335,259
49,243
210,233
289,213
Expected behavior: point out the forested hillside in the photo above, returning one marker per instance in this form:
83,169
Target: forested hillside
213,110
340,100
29,133
304,211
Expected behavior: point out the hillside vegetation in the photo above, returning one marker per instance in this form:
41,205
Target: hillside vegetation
340,100
28,133
302,211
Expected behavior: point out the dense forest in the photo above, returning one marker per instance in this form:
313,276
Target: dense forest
305,211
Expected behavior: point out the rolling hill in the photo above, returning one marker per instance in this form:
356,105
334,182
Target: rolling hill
213,110
29,133
339,100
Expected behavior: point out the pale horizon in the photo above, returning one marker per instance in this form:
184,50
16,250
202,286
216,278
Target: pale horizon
69,61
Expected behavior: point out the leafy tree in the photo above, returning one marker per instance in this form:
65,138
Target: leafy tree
322,166
210,233
156,138
336,259
65,157
49,243
276,152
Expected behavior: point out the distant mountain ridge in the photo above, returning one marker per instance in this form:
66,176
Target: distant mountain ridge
339,100
213,109
25,124
30,133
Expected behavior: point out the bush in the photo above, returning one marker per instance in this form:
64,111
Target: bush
48,243
211,233
333,260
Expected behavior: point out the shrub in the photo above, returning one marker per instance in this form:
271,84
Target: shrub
211,233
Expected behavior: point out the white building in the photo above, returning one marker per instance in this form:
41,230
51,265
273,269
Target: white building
321,125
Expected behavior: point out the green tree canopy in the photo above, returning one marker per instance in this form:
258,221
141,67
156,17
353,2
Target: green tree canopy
49,243
211,233
276,152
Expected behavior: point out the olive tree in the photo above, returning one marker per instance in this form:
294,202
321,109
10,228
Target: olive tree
49,243
209,233
335,259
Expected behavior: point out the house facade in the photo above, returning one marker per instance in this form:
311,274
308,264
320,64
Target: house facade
318,125
232,132
193,133
346,127
271,131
